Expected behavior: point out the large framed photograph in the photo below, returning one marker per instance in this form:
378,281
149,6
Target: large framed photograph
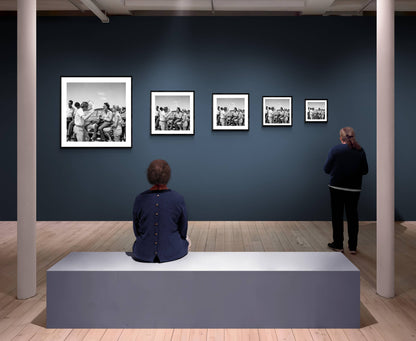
96,112
277,111
230,112
316,110
172,113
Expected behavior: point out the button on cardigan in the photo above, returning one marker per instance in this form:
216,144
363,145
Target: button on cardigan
160,224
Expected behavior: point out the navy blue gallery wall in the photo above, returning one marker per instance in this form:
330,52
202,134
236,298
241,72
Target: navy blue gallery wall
265,173
405,143
260,174
8,134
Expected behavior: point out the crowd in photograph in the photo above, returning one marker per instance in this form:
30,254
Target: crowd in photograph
86,123
274,115
227,117
316,113
177,119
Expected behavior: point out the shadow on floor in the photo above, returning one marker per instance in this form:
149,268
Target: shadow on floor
40,320
366,319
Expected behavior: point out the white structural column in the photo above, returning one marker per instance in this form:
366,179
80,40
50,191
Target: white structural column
26,148
385,148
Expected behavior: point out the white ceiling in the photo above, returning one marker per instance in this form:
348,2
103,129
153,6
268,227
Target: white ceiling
303,7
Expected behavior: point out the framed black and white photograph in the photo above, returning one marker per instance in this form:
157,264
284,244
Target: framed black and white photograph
316,110
230,112
172,113
96,112
277,111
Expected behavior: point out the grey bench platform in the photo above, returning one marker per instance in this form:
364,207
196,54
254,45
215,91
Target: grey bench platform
204,290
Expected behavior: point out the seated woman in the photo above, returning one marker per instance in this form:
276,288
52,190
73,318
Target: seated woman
160,220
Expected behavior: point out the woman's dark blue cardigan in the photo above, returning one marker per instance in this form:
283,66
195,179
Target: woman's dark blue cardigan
160,224
346,166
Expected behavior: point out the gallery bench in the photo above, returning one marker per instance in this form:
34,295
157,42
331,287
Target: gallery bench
204,290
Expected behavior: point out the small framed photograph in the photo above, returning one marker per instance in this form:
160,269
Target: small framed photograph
172,113
96,112
316,110
230,112
277,111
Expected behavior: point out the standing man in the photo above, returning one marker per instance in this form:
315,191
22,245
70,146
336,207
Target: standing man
123,123
117,126
241,117
221,110
70,114
163,117
269,114
81,115
186,118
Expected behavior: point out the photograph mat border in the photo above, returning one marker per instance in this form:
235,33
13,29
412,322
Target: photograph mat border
277,124
98,79
246,96
191,93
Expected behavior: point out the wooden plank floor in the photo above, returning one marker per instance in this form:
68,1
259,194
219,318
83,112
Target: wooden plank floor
381,319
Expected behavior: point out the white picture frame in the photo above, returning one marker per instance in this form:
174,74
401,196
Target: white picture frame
277,111
111,127
230,111
316,110
172,113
